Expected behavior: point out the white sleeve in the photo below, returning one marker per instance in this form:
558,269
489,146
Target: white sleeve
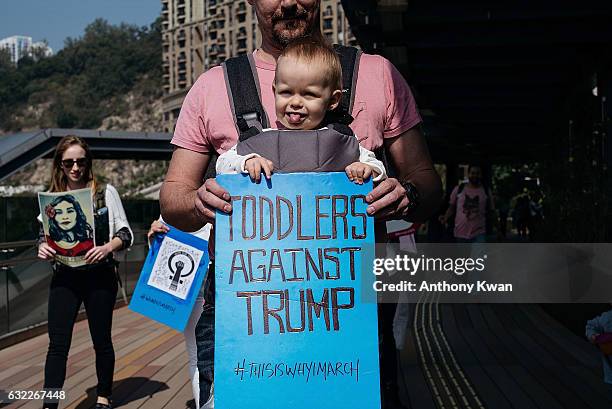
203,233
369,158
116,215
231,162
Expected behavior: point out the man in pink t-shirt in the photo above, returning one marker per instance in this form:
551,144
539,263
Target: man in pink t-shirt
385,115
469,203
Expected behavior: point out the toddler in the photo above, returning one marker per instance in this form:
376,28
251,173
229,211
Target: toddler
307,84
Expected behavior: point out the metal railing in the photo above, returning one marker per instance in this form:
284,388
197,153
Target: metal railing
25,279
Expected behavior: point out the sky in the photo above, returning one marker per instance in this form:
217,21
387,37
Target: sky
54,20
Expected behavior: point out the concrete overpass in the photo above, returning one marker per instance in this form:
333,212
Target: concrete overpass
17,150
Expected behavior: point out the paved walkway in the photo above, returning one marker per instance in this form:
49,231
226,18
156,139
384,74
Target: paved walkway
498,356
455,356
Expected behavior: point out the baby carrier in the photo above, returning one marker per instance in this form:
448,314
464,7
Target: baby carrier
324,150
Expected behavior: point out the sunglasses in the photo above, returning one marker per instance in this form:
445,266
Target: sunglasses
69,163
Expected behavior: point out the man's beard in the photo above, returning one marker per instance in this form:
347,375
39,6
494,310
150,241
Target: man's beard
290,26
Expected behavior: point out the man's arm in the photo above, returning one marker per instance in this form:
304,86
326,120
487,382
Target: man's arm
412,161
185,201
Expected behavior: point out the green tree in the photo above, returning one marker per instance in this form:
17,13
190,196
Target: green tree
83,80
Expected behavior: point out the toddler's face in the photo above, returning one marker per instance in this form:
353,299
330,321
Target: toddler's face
302,98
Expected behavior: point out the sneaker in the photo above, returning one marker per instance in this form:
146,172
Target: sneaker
103,406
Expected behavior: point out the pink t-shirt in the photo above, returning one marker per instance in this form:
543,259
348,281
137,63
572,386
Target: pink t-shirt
384,107
471,211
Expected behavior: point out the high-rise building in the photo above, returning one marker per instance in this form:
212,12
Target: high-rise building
199,34
334,24
17,46
21,46
183,51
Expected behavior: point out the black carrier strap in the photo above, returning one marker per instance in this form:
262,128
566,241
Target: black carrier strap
242,86
349,59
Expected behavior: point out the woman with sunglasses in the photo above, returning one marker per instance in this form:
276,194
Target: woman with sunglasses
94,285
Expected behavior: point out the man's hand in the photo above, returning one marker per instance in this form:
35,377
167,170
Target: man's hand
46,252
388,200
210,197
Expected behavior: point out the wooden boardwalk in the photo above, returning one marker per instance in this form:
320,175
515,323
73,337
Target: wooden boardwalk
150,370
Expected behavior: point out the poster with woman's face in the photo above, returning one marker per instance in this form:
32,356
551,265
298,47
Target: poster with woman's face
68,223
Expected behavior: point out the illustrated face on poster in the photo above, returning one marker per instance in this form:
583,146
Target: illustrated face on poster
175,267
68,221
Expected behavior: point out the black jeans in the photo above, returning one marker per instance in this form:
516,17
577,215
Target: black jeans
97,289
205,337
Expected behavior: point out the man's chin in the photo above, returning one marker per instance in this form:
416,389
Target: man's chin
286,35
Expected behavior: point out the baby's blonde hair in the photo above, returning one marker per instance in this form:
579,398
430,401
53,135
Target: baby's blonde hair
310,50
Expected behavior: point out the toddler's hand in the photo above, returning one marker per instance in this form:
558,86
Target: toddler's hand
156,227
254,166
357,172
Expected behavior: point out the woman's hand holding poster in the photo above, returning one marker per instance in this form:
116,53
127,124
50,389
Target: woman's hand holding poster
68,223
291,328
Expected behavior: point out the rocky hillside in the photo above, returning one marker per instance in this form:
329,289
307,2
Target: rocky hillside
109,79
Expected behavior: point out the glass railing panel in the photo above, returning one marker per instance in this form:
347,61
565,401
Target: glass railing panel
4,312
25,280
28,282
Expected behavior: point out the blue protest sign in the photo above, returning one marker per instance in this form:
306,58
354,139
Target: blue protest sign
171,278
291,330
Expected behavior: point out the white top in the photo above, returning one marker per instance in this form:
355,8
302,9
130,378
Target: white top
230,162
116,215
203,233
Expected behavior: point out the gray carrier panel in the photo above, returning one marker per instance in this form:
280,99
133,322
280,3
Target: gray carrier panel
325,150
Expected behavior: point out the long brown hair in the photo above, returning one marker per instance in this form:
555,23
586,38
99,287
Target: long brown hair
59,181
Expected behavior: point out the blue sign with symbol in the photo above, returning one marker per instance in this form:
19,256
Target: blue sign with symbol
171,278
